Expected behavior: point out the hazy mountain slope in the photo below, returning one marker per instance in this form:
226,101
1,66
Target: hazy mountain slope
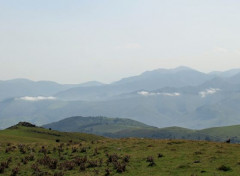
24,87
222,113
228,73
150,80
178,77
215,102
160,111
235,79
185,110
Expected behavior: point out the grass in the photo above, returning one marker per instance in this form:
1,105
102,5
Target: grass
34,151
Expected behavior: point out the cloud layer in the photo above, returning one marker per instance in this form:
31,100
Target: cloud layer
208,92
145,93
38,98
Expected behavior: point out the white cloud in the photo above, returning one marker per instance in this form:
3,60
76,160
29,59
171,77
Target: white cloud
38,98
208,92
145,93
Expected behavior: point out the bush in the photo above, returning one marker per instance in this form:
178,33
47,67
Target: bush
120,167
150,160
224,168
15,171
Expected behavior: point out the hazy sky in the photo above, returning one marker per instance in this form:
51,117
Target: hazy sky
73,41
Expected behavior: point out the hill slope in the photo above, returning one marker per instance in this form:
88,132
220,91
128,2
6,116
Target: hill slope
33,151
22,133
96,125
120,128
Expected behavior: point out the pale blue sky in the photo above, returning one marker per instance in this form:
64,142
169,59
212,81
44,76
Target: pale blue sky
73,41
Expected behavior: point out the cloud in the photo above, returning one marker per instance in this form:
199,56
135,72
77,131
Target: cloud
208,92
38,98
145,93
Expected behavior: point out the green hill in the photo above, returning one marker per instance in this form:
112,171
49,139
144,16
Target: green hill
96,125
209,134
24,134
120,128
29,150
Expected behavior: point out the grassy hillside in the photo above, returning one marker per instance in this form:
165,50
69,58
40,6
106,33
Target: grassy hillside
23,134
119,128
96,125
210,134
34,151
232,132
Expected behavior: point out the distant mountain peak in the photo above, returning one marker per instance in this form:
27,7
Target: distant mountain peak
180,68
170,70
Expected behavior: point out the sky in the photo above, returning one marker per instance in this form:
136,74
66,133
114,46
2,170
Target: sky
74,41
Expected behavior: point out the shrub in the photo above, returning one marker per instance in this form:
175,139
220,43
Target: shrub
160,155
35,168
2,169
113,158
150,160
224,168
68,165
107,172
74,150
21,148
120,167
126,158
47,161
8,149
43,150
95,152
83,150
92,163
58,174
4,164
82,167
78,160
15,171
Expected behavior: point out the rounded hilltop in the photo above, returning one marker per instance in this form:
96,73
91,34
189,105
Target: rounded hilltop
24,124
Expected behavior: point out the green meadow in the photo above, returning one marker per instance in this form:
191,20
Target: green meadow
42,152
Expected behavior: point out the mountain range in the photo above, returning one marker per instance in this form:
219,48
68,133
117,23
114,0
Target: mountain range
164,97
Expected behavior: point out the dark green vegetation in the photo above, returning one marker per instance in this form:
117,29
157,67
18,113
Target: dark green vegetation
210,134
24,134
119,128
97,125
35,151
